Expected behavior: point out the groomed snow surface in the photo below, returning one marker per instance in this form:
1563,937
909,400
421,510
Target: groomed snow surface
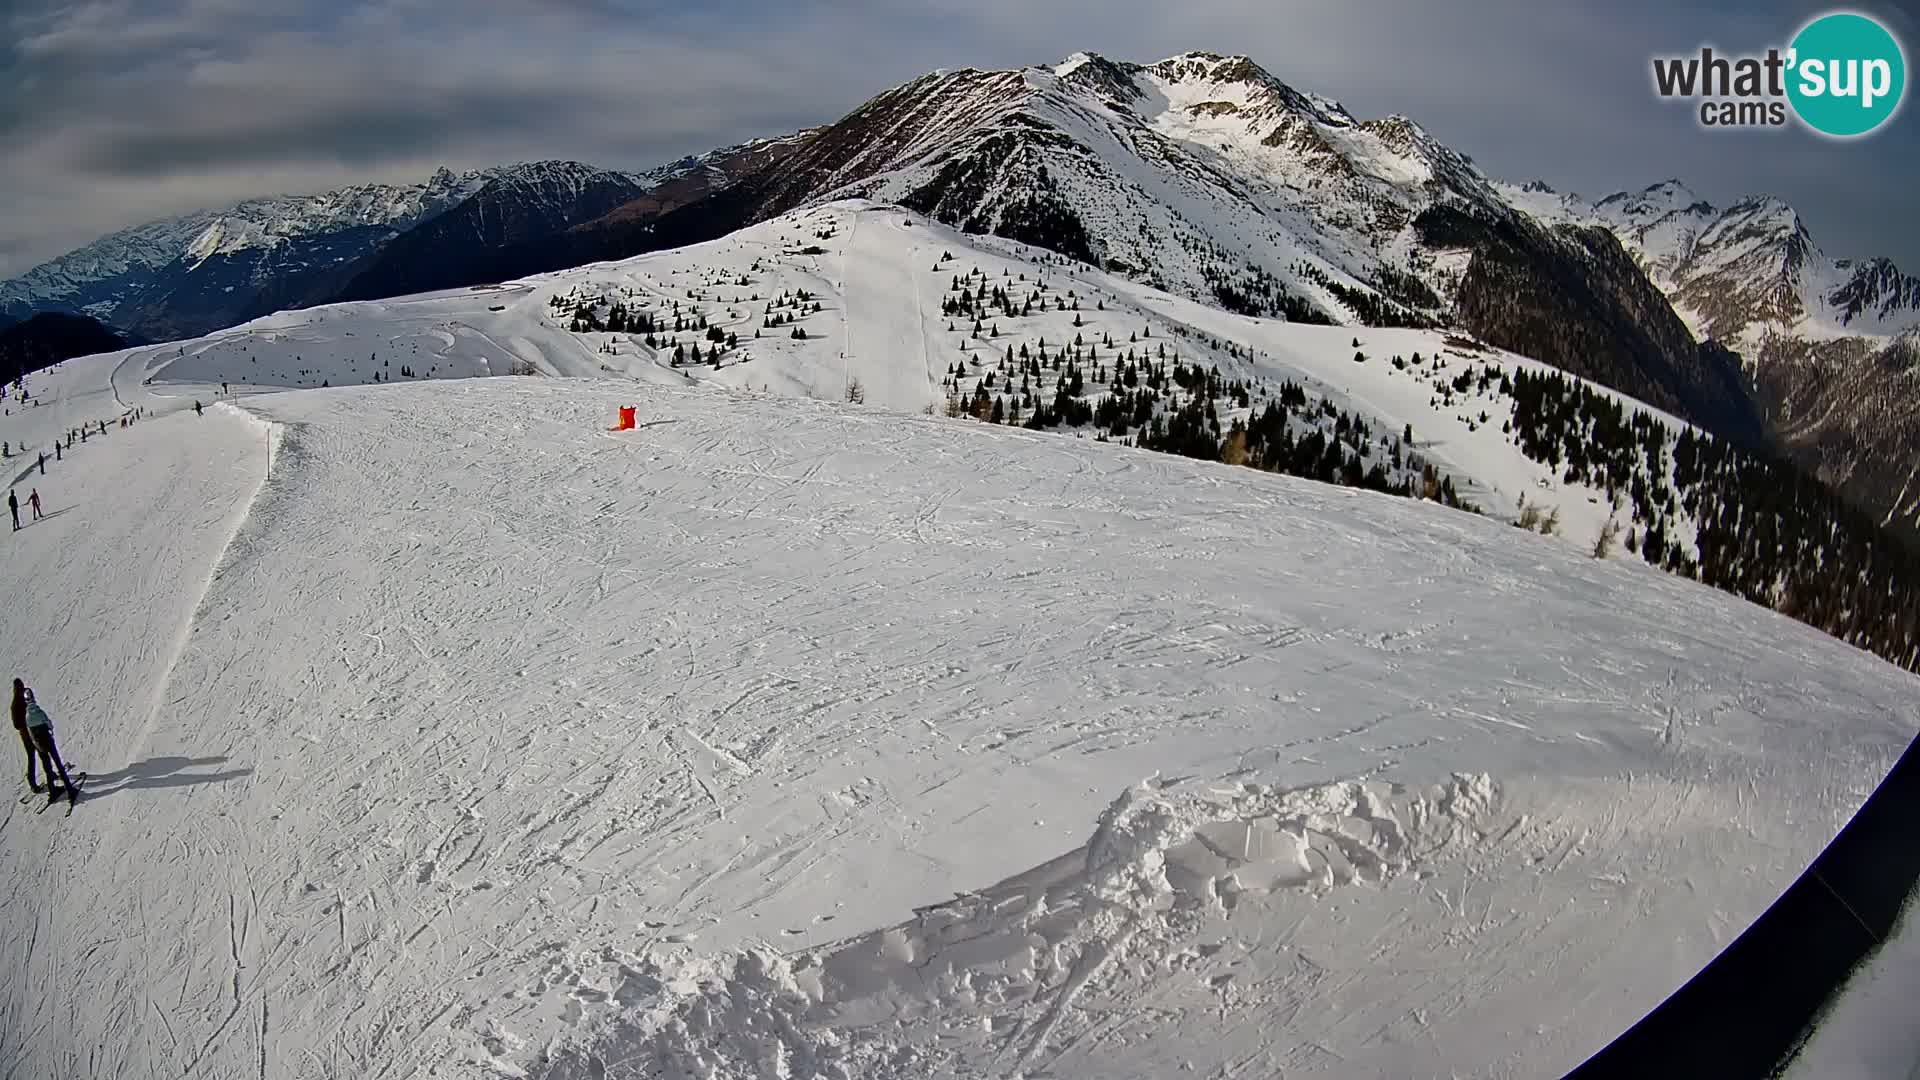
436,730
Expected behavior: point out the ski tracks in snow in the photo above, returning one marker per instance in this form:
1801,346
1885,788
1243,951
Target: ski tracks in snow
555,736
881,266
128,571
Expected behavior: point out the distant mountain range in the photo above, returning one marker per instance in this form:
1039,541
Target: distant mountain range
1743,271
1830,345
191,274
1202,174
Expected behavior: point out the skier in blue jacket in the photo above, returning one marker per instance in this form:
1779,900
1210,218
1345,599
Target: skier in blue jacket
40,728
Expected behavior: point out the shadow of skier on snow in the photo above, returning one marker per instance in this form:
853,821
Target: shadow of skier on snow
25,525
160,772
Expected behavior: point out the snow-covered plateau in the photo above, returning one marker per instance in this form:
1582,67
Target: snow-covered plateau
435,729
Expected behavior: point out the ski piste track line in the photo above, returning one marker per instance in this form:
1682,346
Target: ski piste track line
926,356
236,519
846,314
233,508
113,377
113,385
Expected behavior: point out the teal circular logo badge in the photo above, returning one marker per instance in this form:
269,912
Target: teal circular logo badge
1847,75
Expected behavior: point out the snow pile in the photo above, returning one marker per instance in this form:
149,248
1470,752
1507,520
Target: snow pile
995,973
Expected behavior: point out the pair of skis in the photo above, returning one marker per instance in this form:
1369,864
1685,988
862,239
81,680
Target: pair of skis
79,781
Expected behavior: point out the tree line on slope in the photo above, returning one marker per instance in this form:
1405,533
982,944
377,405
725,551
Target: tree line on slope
1765,531
1574,298
1147,401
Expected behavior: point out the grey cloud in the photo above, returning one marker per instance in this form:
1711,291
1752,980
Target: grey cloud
360,133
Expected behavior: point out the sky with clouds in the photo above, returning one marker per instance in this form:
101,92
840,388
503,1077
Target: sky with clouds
115,112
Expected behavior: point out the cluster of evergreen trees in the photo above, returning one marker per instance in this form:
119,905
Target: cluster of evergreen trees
1140,394
1343,452
1405,287
1162,403
1373,308
789,308
1258,293
1765,530
620,320
968,296
584,317
967,303
660,330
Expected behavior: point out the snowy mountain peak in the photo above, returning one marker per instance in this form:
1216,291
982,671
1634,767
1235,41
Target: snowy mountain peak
265,223
1212,67
208,243
1117,82
1407,138
1074,63
1238,80
1202,172
1768,207
1666,197
1745,274
1765,219
1876,290
567,180
549,168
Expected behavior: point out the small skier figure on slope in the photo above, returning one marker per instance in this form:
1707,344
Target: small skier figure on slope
27,713
13,504
33,500
196,408
26,743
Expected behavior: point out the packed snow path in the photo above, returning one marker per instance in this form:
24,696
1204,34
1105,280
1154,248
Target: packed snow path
492,737
100,601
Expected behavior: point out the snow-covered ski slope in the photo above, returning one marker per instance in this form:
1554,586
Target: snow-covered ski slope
436,730
879,276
